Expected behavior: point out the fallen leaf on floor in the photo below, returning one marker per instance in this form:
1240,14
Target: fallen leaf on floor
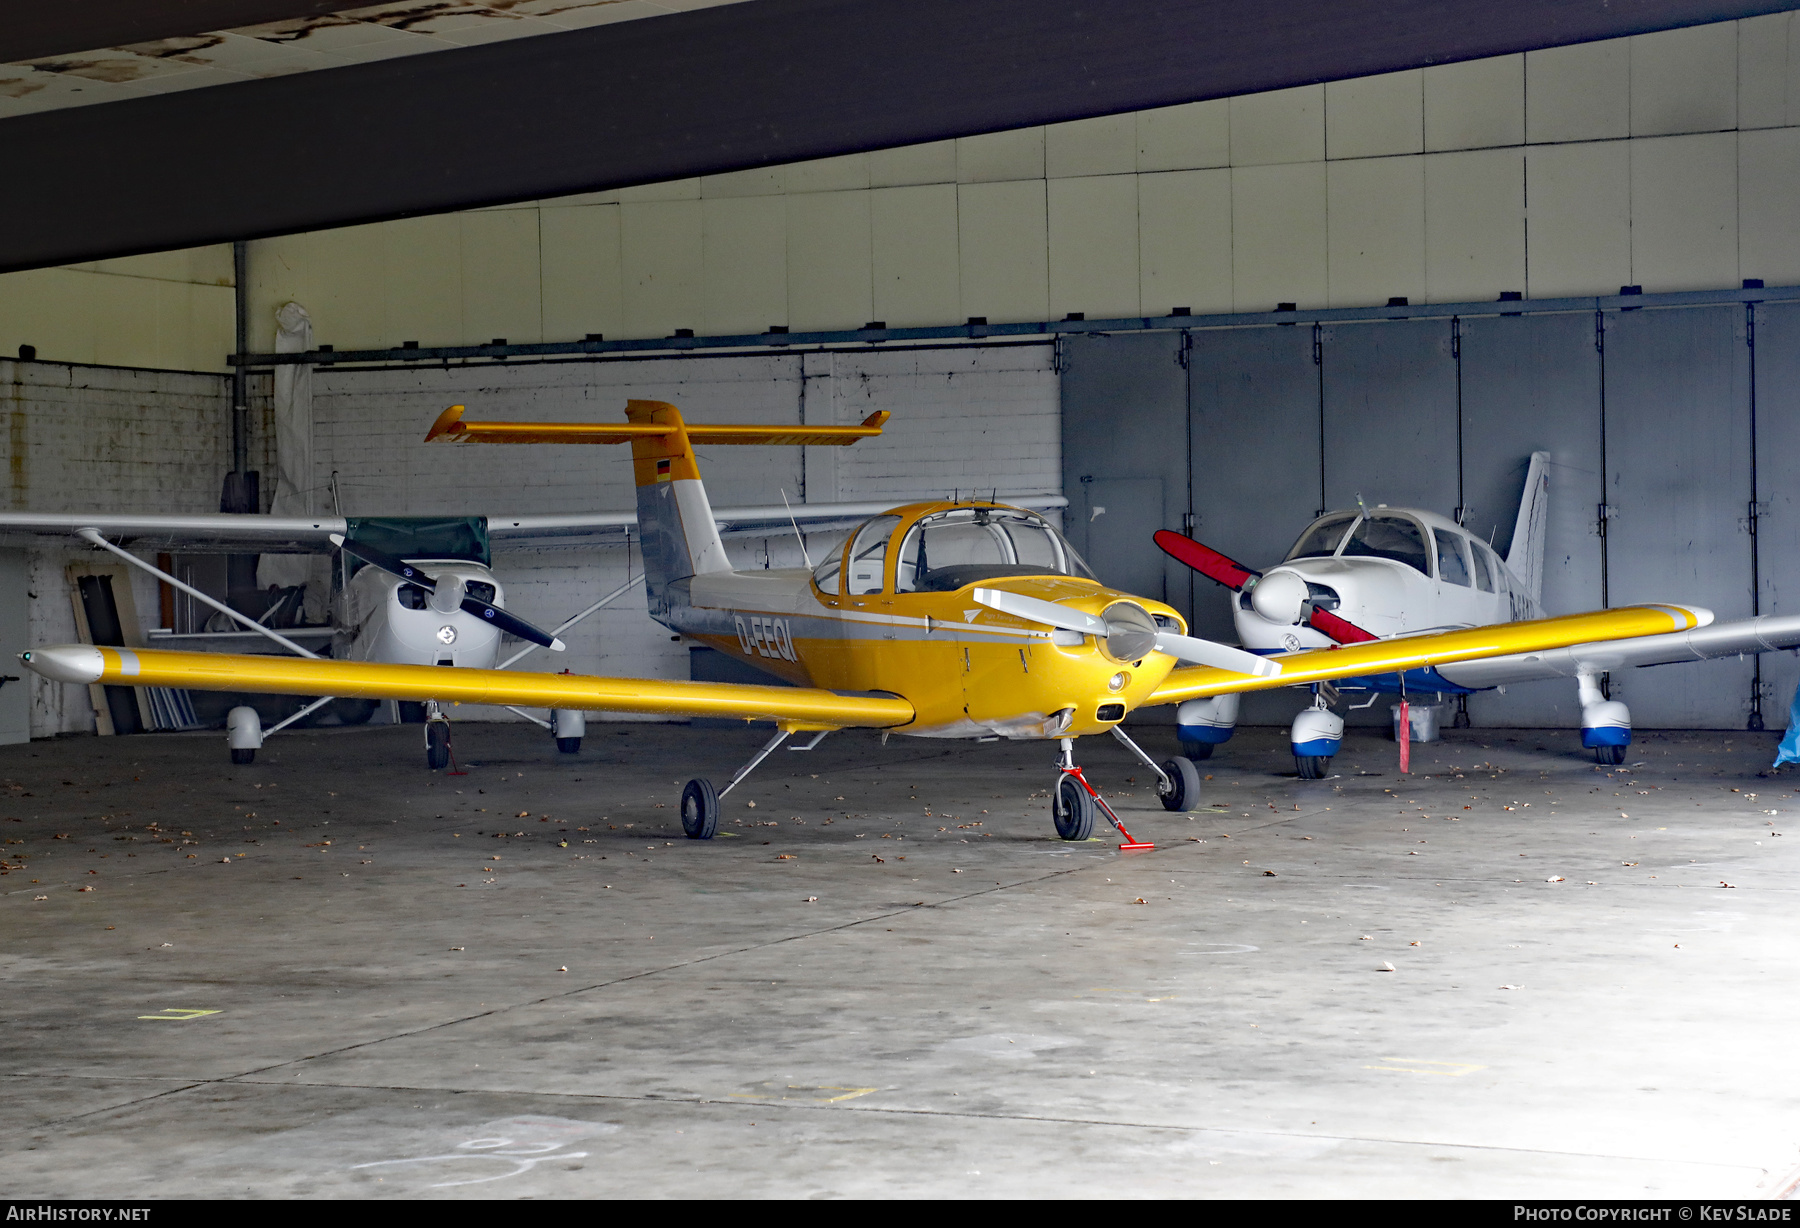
1557,879
811,899
1140,900
1722,883
1512,987
1386,967
1268,874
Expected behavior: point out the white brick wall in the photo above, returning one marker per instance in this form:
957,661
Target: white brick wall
108,439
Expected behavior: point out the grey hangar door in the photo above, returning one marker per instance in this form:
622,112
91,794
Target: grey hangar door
1674,436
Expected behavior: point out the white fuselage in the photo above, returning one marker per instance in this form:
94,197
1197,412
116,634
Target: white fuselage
392,621
1409,571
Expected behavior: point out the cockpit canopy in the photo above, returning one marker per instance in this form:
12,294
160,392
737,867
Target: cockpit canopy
1460,559
944,551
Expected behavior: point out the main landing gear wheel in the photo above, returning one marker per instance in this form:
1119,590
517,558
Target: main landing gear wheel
700,810
1313,767
437,744
1073,810
1184,778
568,746
1609,756
241,757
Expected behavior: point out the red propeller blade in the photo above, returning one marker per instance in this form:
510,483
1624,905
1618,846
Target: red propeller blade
1205,560
1340,629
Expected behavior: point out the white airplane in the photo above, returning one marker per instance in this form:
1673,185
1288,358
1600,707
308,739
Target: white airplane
427,596
1362,574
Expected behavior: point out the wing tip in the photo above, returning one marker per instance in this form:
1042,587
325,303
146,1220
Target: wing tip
449,423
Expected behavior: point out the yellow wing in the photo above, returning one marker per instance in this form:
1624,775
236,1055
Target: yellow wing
1441,648
792,708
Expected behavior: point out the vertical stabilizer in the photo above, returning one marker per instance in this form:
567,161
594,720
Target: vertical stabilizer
1525,558
675,518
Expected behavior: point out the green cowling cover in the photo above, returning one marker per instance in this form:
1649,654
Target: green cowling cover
425,537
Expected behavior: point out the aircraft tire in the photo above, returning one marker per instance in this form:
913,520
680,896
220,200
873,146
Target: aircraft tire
1197,750
568,746
1312,767
437,745
700,810
243,755
1185,796
1609,756
352,711
1073,810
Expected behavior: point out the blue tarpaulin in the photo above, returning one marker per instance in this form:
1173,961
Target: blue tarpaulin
1789,750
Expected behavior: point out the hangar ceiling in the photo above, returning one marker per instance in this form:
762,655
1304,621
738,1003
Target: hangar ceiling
723,88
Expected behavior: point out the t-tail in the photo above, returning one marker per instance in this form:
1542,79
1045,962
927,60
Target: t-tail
681,539
1525,557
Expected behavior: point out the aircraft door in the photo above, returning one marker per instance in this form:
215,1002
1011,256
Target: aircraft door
1122,515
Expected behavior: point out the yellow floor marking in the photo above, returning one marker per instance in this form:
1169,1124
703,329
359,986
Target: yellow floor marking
1424,1066
178,1014
848,1093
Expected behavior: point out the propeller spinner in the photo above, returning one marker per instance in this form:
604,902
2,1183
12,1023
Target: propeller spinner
488,612
1127,632
1236,577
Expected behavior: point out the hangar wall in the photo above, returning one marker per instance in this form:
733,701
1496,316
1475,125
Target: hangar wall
80,438
1668,160
1672,433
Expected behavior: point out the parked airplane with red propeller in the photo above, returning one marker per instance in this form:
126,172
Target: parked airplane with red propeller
1363,574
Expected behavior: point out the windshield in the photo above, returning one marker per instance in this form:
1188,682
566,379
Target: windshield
1321,540
1399,538
868,558
947,550
825,575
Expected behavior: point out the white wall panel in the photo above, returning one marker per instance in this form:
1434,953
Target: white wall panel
1768,71
933,162
1003,250
1373,117
1474,225
1193,136
420,294
913,250
1094,246
1279,126
582,278
1475,104
1103,146
1184,240
501,296
1000,156
660,244
844,174
1376,230
1769,206
1579,93
1578,227
1278,240
828,260
745,263
1684,212
1684,80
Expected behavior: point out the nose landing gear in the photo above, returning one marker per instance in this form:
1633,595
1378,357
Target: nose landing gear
1075,801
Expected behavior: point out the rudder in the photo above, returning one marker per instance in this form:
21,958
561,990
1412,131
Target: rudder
1525,557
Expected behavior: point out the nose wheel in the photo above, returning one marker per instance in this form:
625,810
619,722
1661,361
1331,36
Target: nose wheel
1073,805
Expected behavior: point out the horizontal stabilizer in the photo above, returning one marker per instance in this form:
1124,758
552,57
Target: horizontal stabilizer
450,425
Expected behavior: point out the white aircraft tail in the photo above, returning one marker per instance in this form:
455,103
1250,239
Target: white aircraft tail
1525,557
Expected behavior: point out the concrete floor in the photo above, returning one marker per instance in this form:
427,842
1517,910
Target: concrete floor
890,978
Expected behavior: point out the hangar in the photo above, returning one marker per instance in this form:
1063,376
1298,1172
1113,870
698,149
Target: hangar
1171,265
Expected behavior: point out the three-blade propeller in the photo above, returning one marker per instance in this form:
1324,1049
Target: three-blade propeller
1129,633
1236,577
487,611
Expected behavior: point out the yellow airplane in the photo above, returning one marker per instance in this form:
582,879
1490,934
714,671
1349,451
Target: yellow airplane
962,619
